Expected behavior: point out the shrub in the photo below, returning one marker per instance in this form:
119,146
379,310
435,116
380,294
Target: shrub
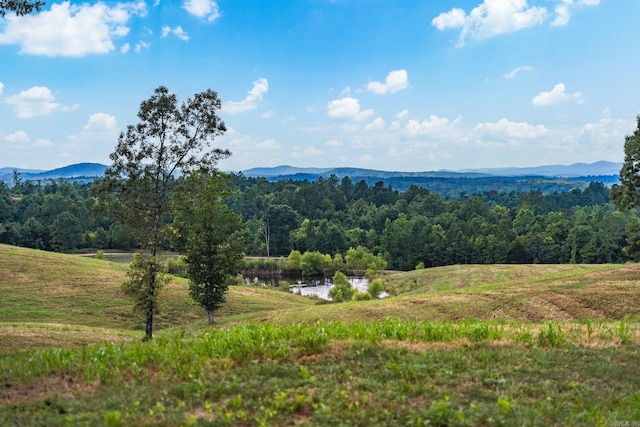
375,288
342,290
177,266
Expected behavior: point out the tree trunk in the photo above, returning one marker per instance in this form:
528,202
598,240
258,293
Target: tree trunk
149,325
210,316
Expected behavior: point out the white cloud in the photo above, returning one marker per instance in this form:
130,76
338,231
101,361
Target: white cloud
434,126
142,45
1,87
555,96
347,109
203,9
177,31
511,74
37,101
268,144
402,114
268,115
71,30
395,81
491,18
260,87
20,139
565,8
377,124
334,143
100,127
504,129
125,48
608,133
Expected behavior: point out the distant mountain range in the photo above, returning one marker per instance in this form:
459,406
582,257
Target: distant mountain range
80,170
610,170
601,168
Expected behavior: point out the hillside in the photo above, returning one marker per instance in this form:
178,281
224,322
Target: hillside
44,287
458,346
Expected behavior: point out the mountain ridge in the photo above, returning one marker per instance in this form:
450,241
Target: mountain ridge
576,170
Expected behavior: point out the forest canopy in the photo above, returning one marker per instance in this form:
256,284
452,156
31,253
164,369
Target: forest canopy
407,228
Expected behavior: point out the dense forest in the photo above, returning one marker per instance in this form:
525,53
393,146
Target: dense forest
409,228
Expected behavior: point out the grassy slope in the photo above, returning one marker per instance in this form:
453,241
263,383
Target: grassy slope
50,298
253,373
42,287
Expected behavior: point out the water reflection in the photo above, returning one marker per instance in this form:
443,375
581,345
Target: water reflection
318,287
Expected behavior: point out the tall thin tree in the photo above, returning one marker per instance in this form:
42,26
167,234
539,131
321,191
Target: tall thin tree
170,139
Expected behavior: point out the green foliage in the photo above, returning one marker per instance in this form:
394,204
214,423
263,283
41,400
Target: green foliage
626,195
295,260
171,139
177,266
362,259
146,279
314,263
342,291
100,254
375,288
207,231
20,7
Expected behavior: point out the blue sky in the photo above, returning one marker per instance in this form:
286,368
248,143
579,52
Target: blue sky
383,84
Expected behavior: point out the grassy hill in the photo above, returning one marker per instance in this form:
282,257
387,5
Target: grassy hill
460,345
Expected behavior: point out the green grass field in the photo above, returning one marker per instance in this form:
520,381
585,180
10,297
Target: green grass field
463,345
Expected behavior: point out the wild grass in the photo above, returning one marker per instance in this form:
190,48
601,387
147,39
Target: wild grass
379,373
461,345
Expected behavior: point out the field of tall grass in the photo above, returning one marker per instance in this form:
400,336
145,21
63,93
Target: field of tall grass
462,345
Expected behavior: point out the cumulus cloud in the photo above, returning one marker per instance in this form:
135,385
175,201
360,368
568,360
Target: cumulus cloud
495,17
140,46
177,31
555,96
491,18
260,87
71,30
20,139
203,9
504,129
565,8
395,81
377,124
402,114
511,74
37,101
434,126
1,87
347,109
268,144
100,127
608,132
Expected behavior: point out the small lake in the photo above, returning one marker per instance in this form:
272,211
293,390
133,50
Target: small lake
313,286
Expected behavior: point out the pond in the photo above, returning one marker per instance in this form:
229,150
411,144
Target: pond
312,286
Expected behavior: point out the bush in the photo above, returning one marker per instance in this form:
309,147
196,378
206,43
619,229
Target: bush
100,254
177,266
342,290
362,296
314,263
375,288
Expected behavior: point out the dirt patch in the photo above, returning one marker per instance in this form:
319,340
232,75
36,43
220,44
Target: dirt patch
64,386
425,346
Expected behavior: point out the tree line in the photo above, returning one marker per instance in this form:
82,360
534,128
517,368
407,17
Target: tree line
407,228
